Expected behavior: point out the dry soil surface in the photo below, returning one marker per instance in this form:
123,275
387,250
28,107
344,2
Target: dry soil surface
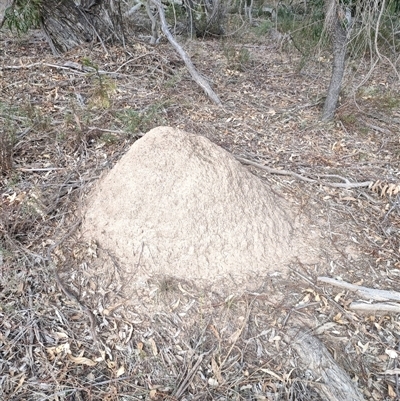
71,118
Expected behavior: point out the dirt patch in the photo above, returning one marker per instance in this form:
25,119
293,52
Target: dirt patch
178,205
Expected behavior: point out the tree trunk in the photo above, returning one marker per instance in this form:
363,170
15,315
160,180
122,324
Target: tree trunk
68,24
205,17
339,43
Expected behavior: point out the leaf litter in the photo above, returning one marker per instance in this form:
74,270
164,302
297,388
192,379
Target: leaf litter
66,132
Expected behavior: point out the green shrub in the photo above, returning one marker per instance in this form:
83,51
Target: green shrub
263,28
23,15
237,59
143,120
306,28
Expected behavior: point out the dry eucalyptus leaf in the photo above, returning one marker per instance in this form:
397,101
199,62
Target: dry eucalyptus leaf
80,360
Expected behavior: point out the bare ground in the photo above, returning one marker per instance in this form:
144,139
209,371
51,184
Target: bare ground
69,125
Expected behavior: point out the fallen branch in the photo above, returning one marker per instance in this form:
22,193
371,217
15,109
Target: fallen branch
28,170
376,128
68,65
363,292
347,184
192,69
331,382
380,307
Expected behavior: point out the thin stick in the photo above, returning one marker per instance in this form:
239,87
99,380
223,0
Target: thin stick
185,57
187,380
270,170
28,170
68,65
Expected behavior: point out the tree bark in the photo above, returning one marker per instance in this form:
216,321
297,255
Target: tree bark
335,24
69,23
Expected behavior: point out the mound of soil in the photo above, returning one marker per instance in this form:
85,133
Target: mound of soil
178,205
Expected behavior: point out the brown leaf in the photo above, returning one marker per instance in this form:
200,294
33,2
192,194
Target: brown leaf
80,360
153,346
217,371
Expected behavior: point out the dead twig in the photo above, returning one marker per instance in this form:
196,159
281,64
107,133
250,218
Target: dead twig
27,170
192,69
346,185
188,378
132,60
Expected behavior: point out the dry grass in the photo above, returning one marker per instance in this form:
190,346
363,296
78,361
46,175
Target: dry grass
68,126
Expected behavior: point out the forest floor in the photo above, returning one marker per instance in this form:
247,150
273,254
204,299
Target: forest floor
72,117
